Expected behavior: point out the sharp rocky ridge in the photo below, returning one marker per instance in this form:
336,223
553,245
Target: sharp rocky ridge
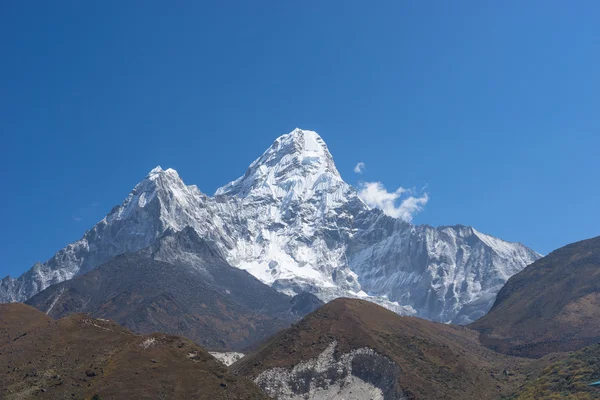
292,222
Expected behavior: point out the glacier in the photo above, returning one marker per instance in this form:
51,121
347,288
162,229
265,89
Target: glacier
293,222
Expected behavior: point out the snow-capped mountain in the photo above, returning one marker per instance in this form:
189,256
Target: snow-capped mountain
447,274
159,202
292,222
293,215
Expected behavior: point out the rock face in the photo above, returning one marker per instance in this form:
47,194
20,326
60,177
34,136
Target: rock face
292,222
355,349
190,292
447,274
85,358
227,357
552,305
357,375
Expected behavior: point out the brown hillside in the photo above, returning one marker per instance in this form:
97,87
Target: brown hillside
436,361
552,305
567,378
17,320
78,357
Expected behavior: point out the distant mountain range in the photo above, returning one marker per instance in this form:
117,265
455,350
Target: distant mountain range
293,223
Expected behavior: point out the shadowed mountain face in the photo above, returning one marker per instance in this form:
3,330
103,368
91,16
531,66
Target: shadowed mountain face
355,349
196,294
552,305
81,357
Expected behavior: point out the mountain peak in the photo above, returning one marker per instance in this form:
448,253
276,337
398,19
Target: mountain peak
162,194
296,166
157,180
303,139
301,143
156,172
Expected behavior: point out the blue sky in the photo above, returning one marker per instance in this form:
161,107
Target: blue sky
492,106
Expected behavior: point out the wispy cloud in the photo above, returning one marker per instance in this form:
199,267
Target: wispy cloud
359,168
400,203
85,212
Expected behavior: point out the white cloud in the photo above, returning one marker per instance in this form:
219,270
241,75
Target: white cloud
359,168
375,195
84,212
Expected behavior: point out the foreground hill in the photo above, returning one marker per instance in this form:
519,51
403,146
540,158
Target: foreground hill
18,319
552,305
567,378
354,349
83,358
195,294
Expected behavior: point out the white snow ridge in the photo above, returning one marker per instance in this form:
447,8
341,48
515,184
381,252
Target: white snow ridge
293,222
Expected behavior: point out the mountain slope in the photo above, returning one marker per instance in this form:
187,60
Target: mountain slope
552,305
159,202
567,378
80,357
198,295
18,319
447,274
355,349
292,222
